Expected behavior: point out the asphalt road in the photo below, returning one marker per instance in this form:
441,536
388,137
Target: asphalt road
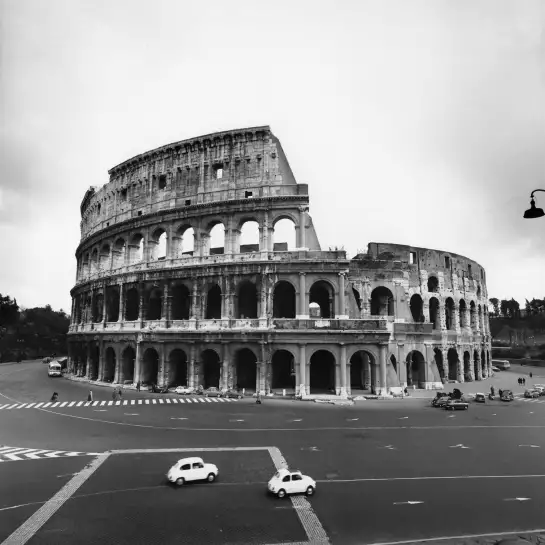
387,471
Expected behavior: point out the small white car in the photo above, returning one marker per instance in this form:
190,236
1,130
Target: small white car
184,390
291,482
192,469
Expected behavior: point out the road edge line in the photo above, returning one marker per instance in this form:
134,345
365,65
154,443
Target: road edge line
33,524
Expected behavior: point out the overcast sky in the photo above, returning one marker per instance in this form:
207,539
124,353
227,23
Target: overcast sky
413,122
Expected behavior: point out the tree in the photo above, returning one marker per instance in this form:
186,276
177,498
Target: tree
496,304
9,311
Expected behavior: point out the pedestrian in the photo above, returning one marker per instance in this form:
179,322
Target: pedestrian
114,395
492,391
90,396
120,393
530,375
524,382
500,392
138,386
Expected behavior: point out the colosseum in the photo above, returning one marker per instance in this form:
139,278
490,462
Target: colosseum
169,291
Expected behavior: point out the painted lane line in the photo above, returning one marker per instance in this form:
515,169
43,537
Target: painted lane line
177,418
531,446
236,420
131,414
100,410
451,416
389,447
297,420
352,419
517,499
72,403
458,446
531,413
407,502
426,478
32,525
403,418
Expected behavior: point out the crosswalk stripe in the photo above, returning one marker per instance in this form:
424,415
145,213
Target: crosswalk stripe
13,457
146,401
95,403
118,402
132,402
201,399
4,406
125,402
181,400
11,449
222,400
87,403
79,403
64,403
168,400
11,406
161,401
71,403
110,402
5,449
39,404
21,406
139,402
47,404
56,404
215,399
154,401
208,399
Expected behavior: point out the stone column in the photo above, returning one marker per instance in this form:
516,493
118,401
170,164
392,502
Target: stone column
342,315
263,297
101,361
444,354
456,318
142,305
302,379
167,303
301,243
382,389
227,375
344,385
192,381
137,362
162,366
303,308
471,366
262,376
104,305
121,315
225,297
88,365
460,369
194,301
366,372
442,316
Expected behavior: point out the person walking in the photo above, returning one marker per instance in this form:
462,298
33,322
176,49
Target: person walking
114,395
530,374
138,386
90,396
120,393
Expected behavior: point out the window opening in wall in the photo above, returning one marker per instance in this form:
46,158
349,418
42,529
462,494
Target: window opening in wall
219,173
162,181
433,284
447,262
217,239
188,202
249,237
139,212
284,236
357,297
284,300
187,242
412,258
469,270
248,194
124,194
98,209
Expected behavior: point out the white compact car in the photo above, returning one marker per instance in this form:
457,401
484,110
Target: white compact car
192,469
291,482
184,390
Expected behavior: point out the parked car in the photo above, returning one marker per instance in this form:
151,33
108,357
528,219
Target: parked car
532,393
480,398
440,399
231,393
285,482
211,392
541,388
156,390
456,404
192,469
507,395
184,390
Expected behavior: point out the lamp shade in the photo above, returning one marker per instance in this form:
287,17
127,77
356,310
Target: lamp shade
533,212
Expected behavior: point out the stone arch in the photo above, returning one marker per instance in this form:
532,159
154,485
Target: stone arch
363,371
177,368
132,304
449,313
283,369
382,302
438,360
216,238
480,317
158,244
249,236
128,358
185,238
119,249
478,290
322,293
284,298
246,369
155,304
150,366
322,372
136,248
181,302
85,265
211,368
247,300
467,366
462,308
434,312
284,236
433,284
416,369
109,365
452,359
112,303
213,303
104,257
417,308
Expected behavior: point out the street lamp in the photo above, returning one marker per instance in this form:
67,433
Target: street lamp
534,212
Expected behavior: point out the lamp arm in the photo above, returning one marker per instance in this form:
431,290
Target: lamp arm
534,191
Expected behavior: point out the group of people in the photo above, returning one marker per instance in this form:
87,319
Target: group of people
522,381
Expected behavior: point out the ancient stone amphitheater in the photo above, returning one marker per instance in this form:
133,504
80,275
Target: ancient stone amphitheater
168,291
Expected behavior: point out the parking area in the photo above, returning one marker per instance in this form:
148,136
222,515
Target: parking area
128,500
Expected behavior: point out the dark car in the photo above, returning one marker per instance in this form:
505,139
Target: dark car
507,395
440,399
480,398
231,393
211,392
456,404
532,393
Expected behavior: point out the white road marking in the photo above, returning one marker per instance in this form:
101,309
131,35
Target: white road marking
168,400
132,401
389,447
154,401
403,418
161,401
139,402
407,502
215,399
125,402
100,410
177,418
297,420
117,403
451,416
79,404
56,404
531,413
39,405
352,419
95,403
531,446
32,404
182,400
87,404
64,404
131,414
207,399
458,446
222,400
36,455
72,403
3,406
21,406
12,457
425,478
174,400
146,401
517,499
201,400
102,403
236,420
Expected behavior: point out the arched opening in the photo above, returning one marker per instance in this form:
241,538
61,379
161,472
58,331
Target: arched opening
247,300
452,358
119,253
322,294
449,313
478,291
246,369
98,306
283,370
112,304
211,369
155,304
284,300
104,263
217,239
158,244
433,284
467,367
416,369
177,368
438,359
362,372
249,237
284,238
322,372
150,367
109,365
181,302
472,316
213,303
132,304
462,308
136,249
434,312
417,306
186,241
128,358
95,357
382,302
476,370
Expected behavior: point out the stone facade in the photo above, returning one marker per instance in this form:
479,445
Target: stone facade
155,302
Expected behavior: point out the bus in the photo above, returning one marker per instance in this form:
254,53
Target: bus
54,369
501,364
